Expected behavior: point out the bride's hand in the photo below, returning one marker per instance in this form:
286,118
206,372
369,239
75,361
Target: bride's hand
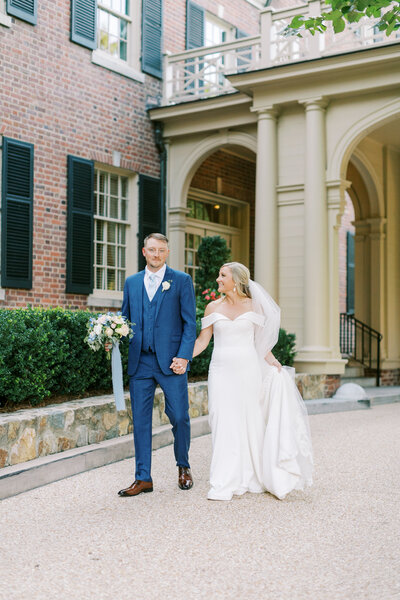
271,360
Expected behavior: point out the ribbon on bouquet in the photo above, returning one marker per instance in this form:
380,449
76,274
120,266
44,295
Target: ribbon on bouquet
117,379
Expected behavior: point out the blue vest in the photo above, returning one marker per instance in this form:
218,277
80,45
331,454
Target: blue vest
149,315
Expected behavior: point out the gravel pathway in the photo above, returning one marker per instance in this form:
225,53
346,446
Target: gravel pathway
76,539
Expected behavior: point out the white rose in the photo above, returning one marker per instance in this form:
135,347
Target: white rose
103,319
109,332
124,330
97,329
165,286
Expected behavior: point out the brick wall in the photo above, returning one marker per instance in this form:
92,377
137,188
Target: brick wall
52,96
238,13
231,176
346,226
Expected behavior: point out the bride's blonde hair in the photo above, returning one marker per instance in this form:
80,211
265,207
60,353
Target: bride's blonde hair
241,277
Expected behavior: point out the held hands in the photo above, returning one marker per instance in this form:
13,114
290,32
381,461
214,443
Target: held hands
179,365
108,346
271,360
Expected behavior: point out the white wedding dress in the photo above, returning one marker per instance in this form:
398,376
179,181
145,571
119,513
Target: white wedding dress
260,434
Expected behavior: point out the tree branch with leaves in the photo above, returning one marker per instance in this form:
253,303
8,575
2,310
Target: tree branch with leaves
350,11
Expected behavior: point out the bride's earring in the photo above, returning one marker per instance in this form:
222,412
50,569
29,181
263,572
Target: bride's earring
234,288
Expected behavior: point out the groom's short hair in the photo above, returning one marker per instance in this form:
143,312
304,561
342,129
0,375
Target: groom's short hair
156,236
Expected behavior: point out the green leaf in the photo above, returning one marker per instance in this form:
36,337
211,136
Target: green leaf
339,25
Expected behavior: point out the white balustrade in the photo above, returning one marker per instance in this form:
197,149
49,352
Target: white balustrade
200,73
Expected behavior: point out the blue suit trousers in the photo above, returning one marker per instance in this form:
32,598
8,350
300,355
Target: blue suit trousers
142,386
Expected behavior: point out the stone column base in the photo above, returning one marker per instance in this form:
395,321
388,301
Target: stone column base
323,366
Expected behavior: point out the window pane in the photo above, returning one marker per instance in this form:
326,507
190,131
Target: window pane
113,46
121,280
122,235
111,256
103,20
114,185
100,283
124,187
113,208
103,179
110,279
189,258
121,258
123,50
123,210
102,206
111,233
99,254
99,230
113,26
191,208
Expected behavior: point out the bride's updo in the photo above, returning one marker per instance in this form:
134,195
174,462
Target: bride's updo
241,277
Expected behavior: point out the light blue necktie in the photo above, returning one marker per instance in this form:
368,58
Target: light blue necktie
152,286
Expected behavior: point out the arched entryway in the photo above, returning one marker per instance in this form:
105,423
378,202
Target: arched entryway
220,201
373,171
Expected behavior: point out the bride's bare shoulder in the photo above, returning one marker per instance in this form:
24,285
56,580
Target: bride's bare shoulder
212,307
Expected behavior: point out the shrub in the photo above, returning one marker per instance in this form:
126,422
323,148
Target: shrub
43,354
212,253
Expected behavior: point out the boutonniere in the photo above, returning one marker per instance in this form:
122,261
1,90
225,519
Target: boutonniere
166,285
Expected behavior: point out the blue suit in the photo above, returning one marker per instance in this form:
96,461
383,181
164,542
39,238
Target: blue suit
163,328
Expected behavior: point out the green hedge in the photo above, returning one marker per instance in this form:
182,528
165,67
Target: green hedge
43,353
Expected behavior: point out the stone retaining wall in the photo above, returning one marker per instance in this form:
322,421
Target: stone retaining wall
31,433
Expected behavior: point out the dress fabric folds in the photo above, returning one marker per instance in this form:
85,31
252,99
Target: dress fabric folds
259,424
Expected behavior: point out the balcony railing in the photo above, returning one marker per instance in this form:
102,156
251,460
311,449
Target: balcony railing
200,73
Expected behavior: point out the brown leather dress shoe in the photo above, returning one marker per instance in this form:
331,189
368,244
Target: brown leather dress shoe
136,488
185,480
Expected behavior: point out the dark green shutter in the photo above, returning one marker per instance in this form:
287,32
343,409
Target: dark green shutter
194,25
350,273
150,210
23,9
84,22
17,214
80,226
152,37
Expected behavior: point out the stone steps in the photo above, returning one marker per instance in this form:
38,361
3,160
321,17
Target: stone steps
365,382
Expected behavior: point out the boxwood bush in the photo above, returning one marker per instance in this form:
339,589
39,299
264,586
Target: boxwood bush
43,354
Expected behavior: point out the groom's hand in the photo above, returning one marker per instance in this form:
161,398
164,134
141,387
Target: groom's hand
179,365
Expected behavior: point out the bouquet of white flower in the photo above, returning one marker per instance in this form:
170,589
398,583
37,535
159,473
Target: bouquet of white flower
109,329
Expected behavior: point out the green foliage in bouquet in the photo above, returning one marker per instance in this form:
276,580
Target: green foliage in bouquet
43,354
212,253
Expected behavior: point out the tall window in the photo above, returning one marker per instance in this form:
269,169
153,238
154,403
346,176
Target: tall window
110,230
113,24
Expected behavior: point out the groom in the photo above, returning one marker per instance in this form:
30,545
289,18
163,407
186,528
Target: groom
160,302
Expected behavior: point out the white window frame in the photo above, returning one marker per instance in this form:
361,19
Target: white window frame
131,67
111,298
5,19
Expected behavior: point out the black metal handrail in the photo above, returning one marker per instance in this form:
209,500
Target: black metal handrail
359,341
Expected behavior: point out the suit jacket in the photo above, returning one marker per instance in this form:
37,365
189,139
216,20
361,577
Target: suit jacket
175,320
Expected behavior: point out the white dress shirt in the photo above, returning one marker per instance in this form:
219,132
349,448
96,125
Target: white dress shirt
159,276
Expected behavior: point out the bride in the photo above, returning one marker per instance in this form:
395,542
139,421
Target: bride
260,433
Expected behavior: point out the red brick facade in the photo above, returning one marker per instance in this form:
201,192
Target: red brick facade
53,96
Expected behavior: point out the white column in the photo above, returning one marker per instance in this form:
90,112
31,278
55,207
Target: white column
266,219
176,235
316,265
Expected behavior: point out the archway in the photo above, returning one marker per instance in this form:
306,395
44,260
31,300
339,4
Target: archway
373,168
221,201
